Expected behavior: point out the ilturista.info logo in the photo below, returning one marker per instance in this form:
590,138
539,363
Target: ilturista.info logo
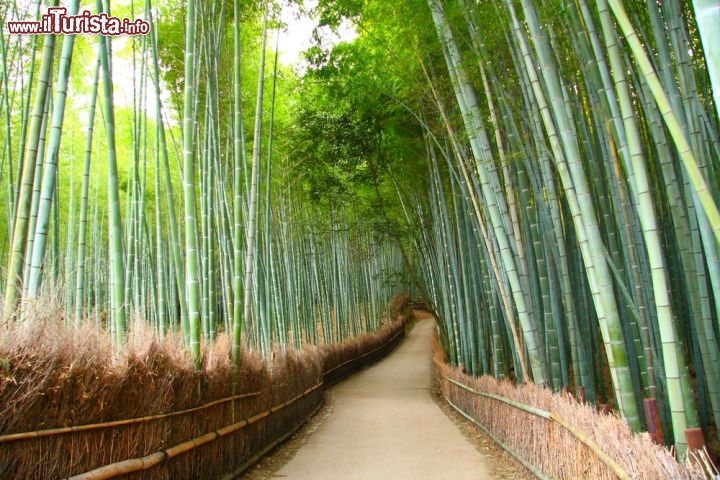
56,21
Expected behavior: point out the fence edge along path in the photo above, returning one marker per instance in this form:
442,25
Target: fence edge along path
560,437
195,444
148,461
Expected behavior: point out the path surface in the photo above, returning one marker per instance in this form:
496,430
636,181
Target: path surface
385,425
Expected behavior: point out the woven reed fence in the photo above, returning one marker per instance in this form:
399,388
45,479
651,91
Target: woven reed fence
162,420
557,437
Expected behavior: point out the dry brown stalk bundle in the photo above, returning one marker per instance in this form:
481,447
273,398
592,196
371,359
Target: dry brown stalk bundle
53,377
341,359
550,447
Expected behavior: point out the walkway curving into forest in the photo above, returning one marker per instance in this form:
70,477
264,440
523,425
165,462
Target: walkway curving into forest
385,424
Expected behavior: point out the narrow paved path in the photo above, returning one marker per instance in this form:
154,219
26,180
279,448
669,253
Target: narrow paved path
385,425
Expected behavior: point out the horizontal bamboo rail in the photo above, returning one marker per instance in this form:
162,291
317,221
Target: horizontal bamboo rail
132,465
587,441
143,463
259,455
119,423
535,471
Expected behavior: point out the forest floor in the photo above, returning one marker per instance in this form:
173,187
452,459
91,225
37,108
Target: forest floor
389,421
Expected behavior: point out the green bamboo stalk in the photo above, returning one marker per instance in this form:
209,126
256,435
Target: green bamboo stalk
268,254
24,123
175,246
20,225
49,179
37,184
485,169
192,270
80,279
26,102
116,250
672,350
707,15
238,160
7,147
566,155
250,282
686,154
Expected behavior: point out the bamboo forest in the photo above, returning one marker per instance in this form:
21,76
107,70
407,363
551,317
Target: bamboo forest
204,210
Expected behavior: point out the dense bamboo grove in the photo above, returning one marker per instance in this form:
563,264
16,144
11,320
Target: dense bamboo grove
133,188
544,173
577,240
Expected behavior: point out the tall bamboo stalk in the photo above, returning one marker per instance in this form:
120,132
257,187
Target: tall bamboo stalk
686,154
22,214
192,270
250,282
489,184
49,179
80,279
707,15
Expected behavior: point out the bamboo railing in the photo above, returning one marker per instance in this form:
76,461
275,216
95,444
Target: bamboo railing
276,423
549,416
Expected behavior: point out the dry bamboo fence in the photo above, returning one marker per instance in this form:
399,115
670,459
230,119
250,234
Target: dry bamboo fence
557,437
190,425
